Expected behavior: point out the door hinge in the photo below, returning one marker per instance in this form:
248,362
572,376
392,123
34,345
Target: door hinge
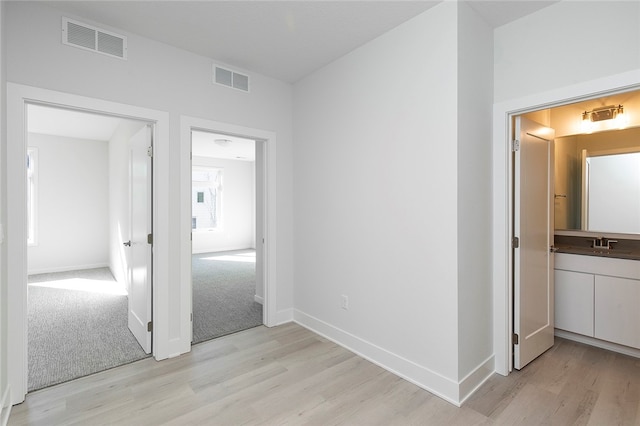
149,238
516,339
515,145
515,242
150,151
150,326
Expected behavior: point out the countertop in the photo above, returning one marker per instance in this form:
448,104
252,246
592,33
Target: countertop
622,249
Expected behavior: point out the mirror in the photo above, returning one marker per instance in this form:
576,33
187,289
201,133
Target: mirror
597,182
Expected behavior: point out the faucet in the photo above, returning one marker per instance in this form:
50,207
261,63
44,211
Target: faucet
603,243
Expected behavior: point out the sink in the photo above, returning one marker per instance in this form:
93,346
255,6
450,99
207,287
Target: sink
592,251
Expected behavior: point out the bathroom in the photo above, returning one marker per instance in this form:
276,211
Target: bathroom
596,200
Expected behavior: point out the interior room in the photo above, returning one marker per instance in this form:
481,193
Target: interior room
391,261
226,297
596,210
77,216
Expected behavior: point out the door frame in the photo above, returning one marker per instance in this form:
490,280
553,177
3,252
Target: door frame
502,226
18,96
268,139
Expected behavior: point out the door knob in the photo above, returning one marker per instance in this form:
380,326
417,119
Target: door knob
128,243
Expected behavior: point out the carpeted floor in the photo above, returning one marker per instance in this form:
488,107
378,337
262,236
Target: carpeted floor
223,294
77,326
77,320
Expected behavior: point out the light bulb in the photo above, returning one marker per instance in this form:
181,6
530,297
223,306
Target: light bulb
621,120
587,125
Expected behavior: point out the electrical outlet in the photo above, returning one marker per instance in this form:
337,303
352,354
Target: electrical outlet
344,302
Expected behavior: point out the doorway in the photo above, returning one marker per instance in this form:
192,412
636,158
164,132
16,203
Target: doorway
18,99
504,194
265,223
79,291
225,208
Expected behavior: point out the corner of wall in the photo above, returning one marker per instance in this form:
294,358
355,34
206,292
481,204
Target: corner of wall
419,375
5,402
475,100
5,406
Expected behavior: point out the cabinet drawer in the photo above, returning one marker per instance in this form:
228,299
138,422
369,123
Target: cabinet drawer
617,316
574,302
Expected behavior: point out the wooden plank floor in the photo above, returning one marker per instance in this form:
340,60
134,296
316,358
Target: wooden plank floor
289,375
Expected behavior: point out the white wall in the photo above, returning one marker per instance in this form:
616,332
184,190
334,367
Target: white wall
238,218
4,403
475,99
72,204
163,78
119,214
375,193
566,43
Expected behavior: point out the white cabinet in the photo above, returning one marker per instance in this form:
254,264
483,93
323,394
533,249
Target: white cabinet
574,307
617,310
598,297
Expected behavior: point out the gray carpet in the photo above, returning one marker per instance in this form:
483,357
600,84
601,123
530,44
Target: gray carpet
223,294
75,333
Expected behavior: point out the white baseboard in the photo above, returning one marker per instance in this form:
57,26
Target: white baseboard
476,378
284,316
66,268
431,381
614,347
5,407
258,299
222,249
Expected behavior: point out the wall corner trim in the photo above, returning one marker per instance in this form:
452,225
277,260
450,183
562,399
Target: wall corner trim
431,381
5,406
472,381
284,316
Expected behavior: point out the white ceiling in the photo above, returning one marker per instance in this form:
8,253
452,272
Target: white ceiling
286,40
72,124
203,144
88,126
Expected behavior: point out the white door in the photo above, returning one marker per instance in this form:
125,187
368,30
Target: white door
533,226
140,228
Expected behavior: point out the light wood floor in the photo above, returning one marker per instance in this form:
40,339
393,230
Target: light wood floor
288,375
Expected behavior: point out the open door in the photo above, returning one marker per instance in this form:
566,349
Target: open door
533,320
141,230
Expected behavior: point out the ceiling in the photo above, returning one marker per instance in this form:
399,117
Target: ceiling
95,127
205,144
72,124
286,40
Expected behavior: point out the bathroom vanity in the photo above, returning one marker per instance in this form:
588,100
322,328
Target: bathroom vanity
597,293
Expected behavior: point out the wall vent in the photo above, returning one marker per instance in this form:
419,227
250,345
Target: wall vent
92,38
230,78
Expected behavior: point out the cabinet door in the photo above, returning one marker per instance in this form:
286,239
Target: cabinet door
617,317
574,302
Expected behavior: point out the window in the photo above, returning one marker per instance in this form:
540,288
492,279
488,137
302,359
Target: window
206,198
32,192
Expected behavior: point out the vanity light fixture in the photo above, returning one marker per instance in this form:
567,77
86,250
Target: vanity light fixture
222,142
604,113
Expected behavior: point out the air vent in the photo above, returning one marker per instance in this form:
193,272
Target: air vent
92,38
230,78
